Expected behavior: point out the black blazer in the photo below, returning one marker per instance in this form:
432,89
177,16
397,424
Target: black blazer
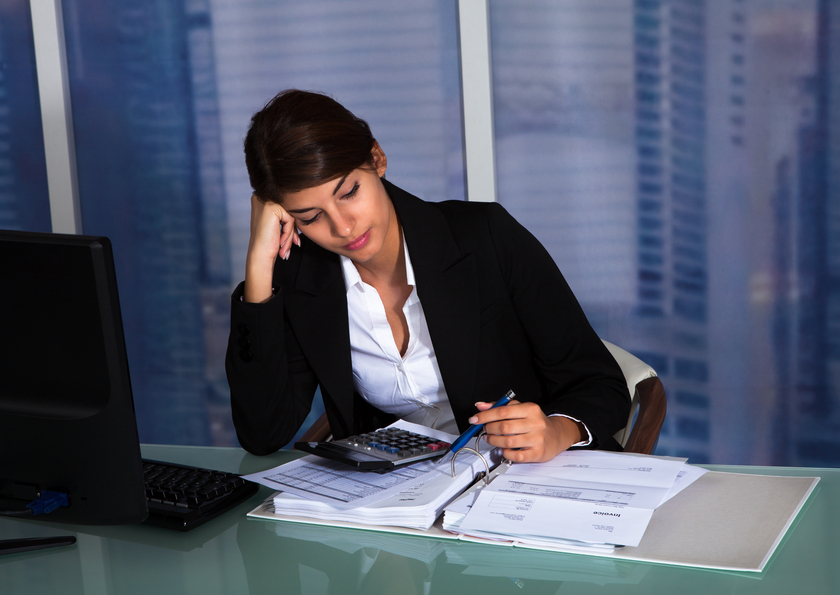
499,312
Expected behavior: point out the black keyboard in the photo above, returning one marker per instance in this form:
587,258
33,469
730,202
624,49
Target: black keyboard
182,497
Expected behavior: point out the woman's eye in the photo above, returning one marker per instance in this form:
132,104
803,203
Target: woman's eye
352,192
309,221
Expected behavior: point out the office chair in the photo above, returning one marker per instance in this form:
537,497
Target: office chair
319,431
648,399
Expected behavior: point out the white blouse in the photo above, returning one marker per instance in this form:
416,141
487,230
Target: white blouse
408,386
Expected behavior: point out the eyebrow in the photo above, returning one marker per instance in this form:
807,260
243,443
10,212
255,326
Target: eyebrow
340,182
337,186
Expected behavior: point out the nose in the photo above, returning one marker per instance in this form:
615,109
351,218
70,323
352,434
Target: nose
342,224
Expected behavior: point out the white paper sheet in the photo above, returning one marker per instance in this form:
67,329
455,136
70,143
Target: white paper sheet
606,467
417,506
585,496
523,505
685,478
340,485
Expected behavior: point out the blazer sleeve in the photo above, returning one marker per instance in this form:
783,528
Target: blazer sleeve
271,383
579,376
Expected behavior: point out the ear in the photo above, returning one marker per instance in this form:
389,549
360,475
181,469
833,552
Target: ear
380,162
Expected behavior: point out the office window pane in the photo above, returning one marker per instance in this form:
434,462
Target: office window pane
162,93
681,166
24,198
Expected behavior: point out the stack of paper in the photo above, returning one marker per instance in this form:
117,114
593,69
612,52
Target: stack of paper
579,499
412,496
727,521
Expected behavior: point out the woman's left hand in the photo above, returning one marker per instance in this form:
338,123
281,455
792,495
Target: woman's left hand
523,426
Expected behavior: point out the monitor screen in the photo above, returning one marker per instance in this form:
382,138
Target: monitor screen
66,411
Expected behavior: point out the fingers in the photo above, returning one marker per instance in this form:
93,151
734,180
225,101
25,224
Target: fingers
525,433
288,237
273,230
482,406
516,425
272,235
523,420
512,410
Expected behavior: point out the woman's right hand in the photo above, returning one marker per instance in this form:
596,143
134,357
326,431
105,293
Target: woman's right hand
273,232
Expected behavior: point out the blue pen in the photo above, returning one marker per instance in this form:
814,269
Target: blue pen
473,430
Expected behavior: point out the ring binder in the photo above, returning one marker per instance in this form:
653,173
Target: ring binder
479,455
483,432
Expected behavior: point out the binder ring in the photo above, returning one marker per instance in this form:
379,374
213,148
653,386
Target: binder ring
478,438
480,456
480,435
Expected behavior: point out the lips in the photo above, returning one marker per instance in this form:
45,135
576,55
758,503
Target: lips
358,242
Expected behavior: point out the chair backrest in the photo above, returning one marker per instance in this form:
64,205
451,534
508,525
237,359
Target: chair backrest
319,431
647,399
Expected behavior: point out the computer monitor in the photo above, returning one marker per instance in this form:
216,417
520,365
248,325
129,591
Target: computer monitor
67,419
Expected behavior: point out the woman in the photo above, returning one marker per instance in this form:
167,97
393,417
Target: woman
399,308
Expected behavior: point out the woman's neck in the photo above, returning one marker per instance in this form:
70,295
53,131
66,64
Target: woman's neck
387,269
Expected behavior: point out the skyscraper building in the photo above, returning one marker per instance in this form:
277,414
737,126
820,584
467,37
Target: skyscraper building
601,130
798,41
670,138
140,88
731,340
798,329
24,200
563,81
816,426
8,197
215,270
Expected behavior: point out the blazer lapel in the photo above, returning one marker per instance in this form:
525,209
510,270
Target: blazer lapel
447,284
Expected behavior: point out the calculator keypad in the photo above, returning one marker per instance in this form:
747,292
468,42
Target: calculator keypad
396,444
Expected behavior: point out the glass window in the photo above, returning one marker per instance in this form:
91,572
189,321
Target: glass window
690,399
24,197
657,361
565,98
693,429
163,93
580,114
691,370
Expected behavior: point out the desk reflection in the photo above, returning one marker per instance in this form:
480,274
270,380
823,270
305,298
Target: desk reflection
285,557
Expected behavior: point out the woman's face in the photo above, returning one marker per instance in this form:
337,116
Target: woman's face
352,215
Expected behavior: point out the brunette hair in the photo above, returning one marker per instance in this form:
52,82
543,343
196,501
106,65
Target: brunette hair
302,139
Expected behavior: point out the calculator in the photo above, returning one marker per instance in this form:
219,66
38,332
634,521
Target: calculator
383,449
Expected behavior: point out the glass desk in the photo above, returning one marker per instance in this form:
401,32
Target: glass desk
234,554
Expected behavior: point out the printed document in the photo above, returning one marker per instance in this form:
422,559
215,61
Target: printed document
585,496
343,487
416,506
